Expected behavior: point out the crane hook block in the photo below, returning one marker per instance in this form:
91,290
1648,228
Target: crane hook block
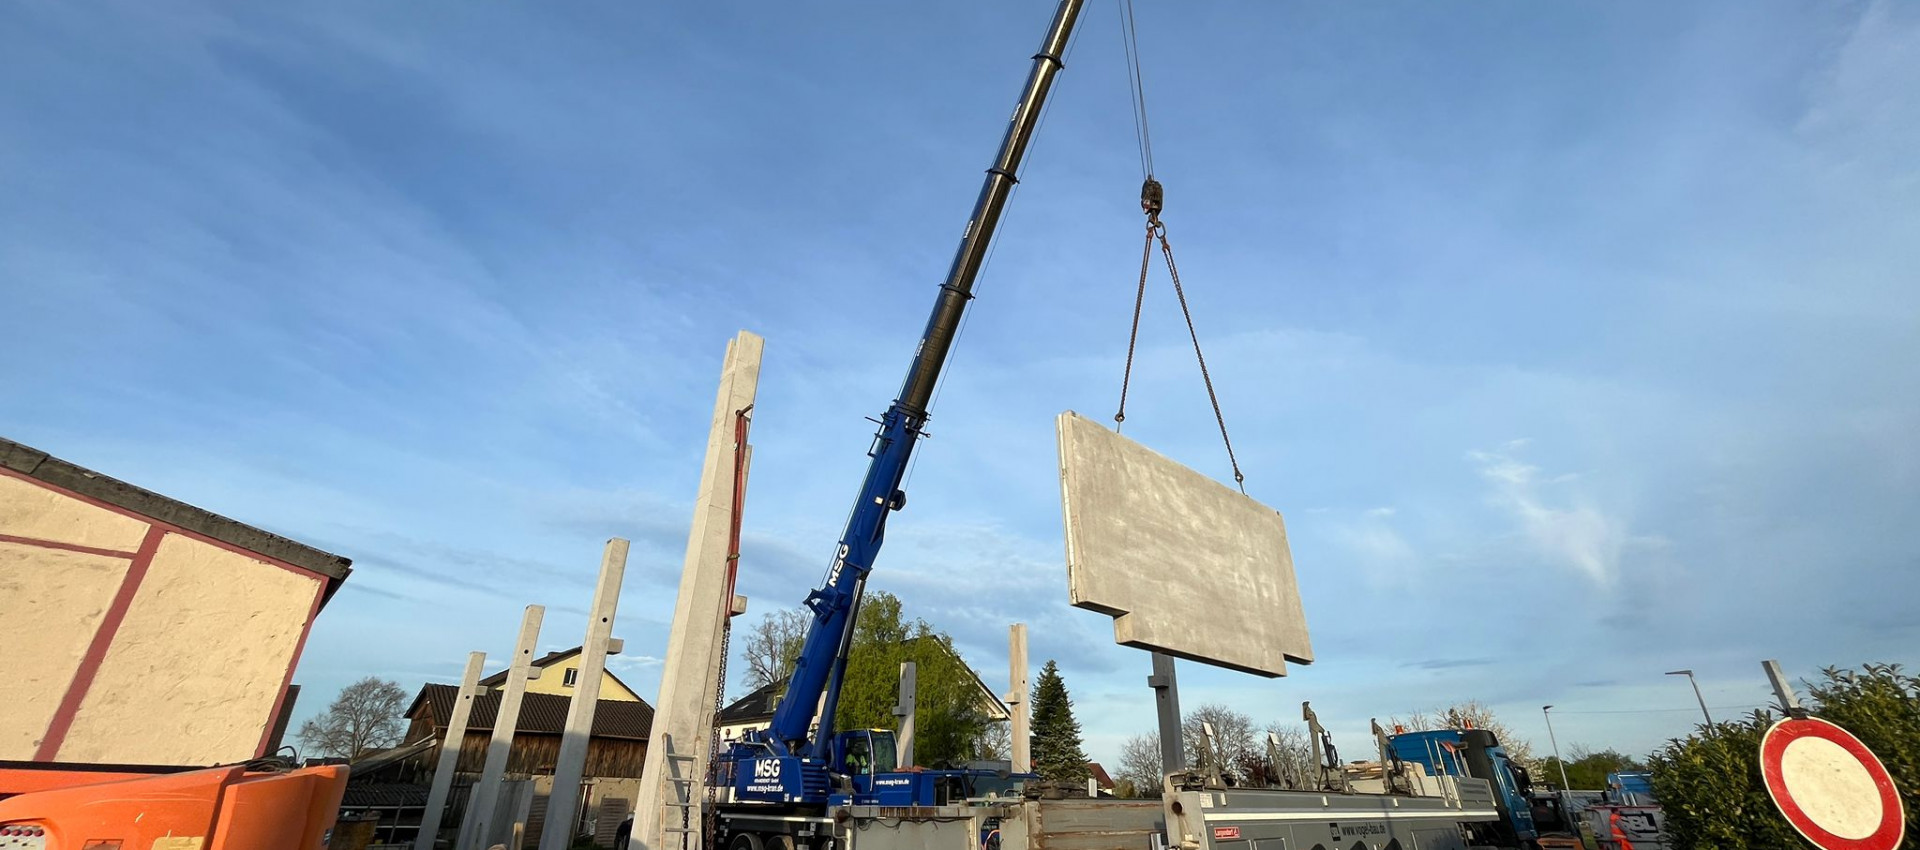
1152,198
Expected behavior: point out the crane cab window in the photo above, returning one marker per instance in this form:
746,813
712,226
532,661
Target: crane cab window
885,760
871,752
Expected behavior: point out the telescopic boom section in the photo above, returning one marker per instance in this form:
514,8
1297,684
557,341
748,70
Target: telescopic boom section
823,657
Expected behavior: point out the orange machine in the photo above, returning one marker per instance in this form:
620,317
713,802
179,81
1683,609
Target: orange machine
254,806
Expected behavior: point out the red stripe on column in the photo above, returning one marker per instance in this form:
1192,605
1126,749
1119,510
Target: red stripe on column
273,717
97,651
65,547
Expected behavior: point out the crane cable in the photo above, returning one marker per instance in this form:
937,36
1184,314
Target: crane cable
1130,40
1152,201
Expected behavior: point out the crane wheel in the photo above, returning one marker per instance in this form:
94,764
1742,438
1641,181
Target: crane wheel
746,841
780,842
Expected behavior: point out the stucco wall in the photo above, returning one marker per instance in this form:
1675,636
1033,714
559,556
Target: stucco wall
130,640
208,639
51,602
42,513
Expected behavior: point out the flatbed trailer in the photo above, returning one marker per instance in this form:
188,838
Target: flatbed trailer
1186,819
1263,819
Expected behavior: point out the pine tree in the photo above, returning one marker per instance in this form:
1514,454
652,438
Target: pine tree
1056,735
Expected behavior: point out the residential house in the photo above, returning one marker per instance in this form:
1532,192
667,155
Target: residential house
559,673
1099,784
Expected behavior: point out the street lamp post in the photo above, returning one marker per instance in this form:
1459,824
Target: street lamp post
1696,693
1564,784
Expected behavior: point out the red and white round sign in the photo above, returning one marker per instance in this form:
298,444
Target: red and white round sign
1830,786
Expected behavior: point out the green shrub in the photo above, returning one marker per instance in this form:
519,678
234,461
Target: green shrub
1880,705
1710,786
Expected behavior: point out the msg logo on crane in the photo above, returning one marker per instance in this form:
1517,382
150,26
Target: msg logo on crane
840,560
766,777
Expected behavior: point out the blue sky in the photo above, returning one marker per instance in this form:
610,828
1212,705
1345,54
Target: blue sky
1576,342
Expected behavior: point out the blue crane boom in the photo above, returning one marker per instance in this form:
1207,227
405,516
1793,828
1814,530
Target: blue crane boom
816,680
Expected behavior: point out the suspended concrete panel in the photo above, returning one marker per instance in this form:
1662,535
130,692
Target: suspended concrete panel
1184,564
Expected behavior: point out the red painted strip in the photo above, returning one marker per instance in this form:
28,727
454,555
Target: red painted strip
238,550
97,651
68,547
260,749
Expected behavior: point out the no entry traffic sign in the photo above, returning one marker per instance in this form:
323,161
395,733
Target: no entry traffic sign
1830,786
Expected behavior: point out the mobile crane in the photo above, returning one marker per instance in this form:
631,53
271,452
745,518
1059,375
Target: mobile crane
789,773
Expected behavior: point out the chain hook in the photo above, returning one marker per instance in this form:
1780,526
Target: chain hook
1153,198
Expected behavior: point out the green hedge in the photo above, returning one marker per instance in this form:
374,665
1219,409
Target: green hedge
1710,786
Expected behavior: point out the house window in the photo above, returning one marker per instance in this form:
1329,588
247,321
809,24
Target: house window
572,676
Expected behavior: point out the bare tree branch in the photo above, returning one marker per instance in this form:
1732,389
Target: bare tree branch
365,717
773,646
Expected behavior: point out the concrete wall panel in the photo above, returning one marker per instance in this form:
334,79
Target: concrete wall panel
51,601
195,670
1184,564
42,513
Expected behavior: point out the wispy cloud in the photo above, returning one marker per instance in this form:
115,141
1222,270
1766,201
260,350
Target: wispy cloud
1373,543
1554,514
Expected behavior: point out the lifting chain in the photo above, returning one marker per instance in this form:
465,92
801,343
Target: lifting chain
1152,201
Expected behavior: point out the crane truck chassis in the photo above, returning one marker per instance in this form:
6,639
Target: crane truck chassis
1191,815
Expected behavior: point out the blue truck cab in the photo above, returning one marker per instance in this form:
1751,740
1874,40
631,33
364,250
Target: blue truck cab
1631,789
1476,753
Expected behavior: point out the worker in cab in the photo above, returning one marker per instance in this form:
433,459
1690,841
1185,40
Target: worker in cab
859,760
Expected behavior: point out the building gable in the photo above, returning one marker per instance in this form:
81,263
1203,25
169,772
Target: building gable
559,672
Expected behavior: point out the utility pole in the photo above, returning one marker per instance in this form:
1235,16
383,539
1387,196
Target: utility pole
1545,711
1696,694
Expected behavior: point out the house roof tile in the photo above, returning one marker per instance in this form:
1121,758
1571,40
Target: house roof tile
539,713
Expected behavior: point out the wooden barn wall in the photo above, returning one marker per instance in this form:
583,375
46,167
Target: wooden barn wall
534,753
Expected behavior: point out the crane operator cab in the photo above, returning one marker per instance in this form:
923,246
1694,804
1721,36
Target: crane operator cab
868,759
862,753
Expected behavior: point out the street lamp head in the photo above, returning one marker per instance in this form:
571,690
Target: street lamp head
1679,672
1546,708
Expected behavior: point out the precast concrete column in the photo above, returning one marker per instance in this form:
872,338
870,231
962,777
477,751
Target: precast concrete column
449,760
689,683
572,760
